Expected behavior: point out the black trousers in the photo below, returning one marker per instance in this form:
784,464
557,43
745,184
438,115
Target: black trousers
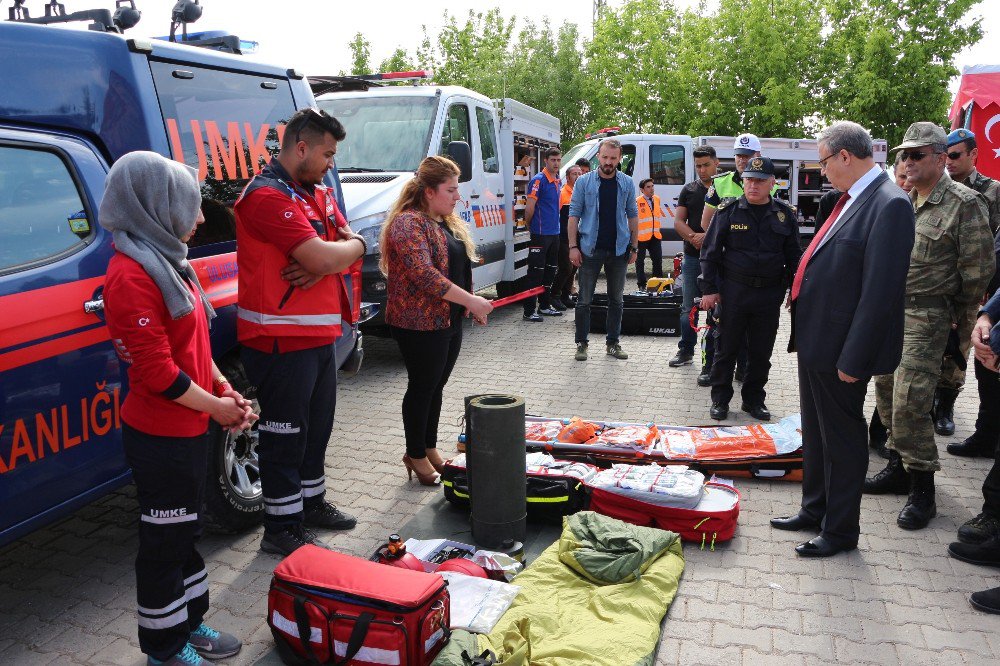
171,585
543,259
562,285
988,431
429,357
835,453
988,418
297,392
655,249
749,315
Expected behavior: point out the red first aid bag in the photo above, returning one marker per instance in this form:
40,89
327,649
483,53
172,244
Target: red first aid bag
712,521
328,608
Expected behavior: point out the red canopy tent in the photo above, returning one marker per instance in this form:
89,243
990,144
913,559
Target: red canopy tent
977,107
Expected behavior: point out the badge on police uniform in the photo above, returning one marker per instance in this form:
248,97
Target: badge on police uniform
756,164
781,217
711,192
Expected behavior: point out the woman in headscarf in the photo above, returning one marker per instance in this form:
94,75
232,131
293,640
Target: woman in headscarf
158,317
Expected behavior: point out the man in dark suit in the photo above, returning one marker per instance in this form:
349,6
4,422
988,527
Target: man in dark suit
847,325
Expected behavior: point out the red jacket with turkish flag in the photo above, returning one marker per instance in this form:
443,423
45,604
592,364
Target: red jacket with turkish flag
164,355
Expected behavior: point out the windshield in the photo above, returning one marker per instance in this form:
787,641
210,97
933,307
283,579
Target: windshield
575,153
383,133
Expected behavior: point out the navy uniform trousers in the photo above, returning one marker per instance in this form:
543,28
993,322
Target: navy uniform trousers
171,581
297,392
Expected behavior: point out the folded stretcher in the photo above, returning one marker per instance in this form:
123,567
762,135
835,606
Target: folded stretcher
770,450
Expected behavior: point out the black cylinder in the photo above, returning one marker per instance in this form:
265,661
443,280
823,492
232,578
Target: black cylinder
494,451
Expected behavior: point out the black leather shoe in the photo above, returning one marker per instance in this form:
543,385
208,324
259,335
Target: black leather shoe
759,412
973,447
893,480
819,547
705,378
882,450
920,506
719,411
796,523
987,554
980,529
987,601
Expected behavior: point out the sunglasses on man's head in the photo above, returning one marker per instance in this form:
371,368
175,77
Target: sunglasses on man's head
913,157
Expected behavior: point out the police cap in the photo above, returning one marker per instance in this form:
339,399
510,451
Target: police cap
746,144
922,134
960,135
759,167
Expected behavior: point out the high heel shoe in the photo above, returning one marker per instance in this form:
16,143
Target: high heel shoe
438,466
431,479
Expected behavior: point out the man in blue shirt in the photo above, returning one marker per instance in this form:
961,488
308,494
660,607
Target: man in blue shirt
541,212
603,230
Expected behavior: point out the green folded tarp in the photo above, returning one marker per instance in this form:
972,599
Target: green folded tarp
597,596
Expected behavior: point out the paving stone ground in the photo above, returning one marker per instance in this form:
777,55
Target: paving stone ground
67,592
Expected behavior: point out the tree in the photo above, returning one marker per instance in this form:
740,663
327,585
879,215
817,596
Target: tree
399,61
889,61
547,72
474,55
361,51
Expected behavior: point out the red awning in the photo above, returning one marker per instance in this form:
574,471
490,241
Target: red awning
980,84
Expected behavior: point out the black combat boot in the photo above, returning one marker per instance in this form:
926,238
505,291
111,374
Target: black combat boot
944,411
878,435
920,506
893,480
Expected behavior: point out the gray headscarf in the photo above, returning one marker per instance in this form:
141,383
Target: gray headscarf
150,203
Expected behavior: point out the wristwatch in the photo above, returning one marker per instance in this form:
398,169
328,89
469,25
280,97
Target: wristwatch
635,250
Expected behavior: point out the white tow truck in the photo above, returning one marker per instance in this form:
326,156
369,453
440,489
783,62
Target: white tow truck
498,145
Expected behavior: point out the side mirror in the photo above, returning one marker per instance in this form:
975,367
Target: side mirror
461,153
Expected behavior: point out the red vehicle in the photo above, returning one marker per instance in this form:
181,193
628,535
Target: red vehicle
977,108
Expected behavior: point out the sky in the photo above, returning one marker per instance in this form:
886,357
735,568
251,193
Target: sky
312,35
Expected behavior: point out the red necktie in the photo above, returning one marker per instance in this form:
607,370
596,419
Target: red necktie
834,214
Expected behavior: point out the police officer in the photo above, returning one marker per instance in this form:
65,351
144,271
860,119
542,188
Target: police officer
950,265
962,153
293,245
729,186
750,252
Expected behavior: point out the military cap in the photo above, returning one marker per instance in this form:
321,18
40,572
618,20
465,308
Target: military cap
759,167
923,134
746,144
960,135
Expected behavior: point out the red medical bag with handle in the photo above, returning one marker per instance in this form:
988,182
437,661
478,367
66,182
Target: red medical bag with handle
712,521
328,608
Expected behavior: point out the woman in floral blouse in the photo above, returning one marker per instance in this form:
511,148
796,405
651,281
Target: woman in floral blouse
427,256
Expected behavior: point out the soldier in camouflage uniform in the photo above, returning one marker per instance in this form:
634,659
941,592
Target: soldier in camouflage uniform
962,153
951,263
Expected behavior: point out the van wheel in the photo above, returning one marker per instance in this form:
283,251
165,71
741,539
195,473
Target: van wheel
233,496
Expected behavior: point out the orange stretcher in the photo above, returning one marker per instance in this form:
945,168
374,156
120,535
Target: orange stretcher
771,450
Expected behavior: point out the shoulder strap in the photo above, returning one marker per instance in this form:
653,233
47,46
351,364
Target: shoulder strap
357,638
487,658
